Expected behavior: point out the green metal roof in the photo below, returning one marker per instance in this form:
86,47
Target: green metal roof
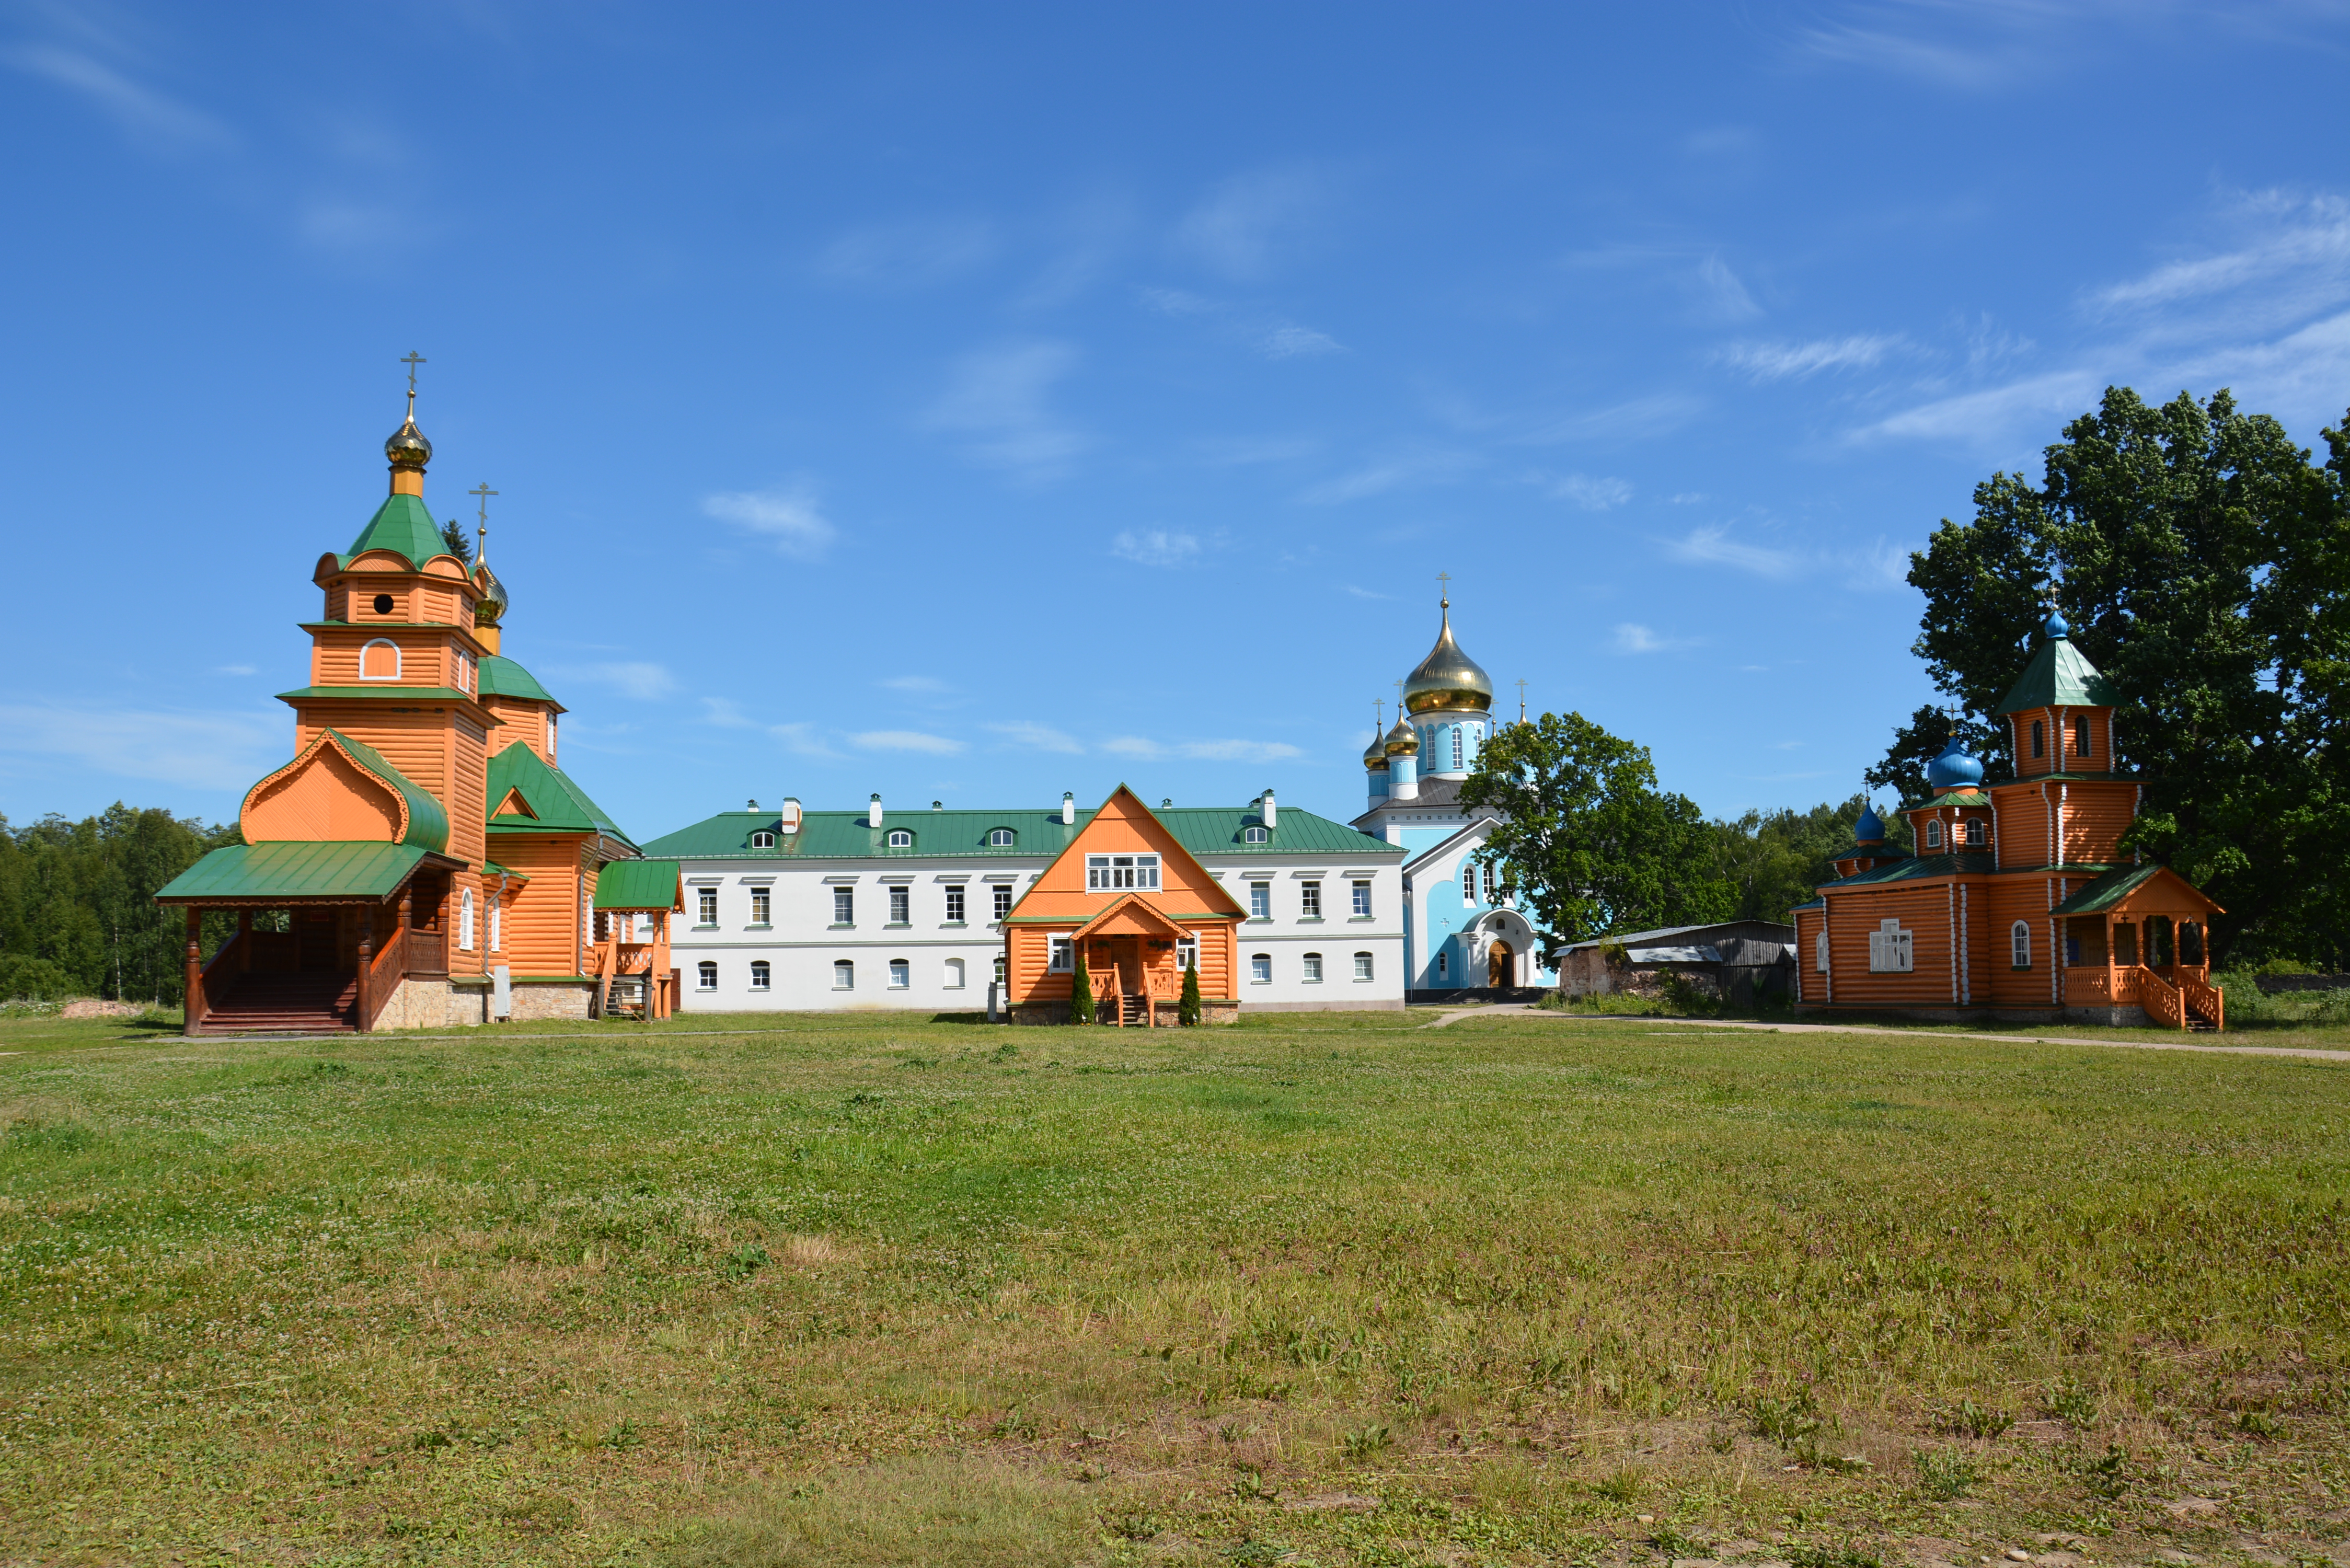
638,885
843,835
2059,676
557,804
381,691
403,526
1954,797
501,676
1965,863
294,871
2118,884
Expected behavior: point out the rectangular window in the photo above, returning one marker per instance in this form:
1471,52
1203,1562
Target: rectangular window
2081,736
1261,968
1187,954
1116,873
1060,962
705,905
759,973
901,974
1310,895
1891,950
999,970
1312,969
705,976
955,903
1260,901
901,900
759,905
844,975
844,905
1363,899
1362,966
1002,891
1456,749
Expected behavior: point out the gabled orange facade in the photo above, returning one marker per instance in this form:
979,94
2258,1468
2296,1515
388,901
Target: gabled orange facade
1134,904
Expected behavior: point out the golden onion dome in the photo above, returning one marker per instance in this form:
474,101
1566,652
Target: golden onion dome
1403,740
1448,678
1375,755
408,448
492,604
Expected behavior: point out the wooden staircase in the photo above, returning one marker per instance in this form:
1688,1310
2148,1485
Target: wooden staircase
625,995
305,1002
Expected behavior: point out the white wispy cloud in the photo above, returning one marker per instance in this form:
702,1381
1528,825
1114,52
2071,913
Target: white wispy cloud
1713,546
1633,638
150,118
1416,467
997,398
1362,593
1591,494
1290,342
1794,361
642,680
916,683
905,740
787,517
205,750
727,713
804,739
907,254
1037,737
1721,296
235,670
1249,225
1232,751
1643,417
1156,548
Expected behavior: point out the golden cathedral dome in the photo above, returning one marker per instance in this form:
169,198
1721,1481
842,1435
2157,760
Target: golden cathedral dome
1403,740
1448,678
406,448
1375,755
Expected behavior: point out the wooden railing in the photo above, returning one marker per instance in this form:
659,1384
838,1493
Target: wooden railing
205,982
2155,994
2088,985
2208,999
427,951
379,978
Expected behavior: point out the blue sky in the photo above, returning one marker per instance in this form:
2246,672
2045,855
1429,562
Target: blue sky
977,403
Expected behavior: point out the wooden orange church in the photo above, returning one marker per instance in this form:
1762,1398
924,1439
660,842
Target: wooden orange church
2019,901
422,859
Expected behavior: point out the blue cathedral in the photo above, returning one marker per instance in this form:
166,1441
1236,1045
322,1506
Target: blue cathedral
1462,928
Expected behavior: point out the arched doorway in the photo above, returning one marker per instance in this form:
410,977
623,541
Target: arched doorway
1499,970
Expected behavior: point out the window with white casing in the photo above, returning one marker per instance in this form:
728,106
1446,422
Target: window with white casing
999,838
1256,836
1310,969
900,839
1116,873
1820,953
844,905
1363,899
901,974
953,979
1934,834
844,975
465,923
1891,950
759,974
1456,763
705,906
1060,962
1362,966
955,903
1260,901
901,904
1187,954
1976,832
380,660
999,970
1002,891
2019,944
1309,895
762,902
1261,968
762,839
705,975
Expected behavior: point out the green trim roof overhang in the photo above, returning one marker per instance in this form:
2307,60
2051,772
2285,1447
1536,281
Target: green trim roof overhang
2059,677
428,820
404,526
1955,798
2109,890
640,885
501,676
387,693
1965,863
298,872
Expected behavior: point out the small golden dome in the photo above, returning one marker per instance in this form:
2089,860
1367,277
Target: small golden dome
408,448
1375,755
1448,678
493,602
1403,740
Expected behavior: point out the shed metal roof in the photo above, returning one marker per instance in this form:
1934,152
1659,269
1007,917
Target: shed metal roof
639,884
295,871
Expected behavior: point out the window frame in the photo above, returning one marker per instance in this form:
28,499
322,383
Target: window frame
1003,898
958,896
1891,950
1365,967
1260,969
1309,899
1309,969
465,921
843,907
901,975
2081,742
762,839
705,909
397,663
1361,902
1136,872
705,975
1060,955
2019,945
2039,738
1260,901
1934,833
844,974
1001,838
898,839
762,975
1978,832
901,904
1258,835
763,906
1820,953
1186,946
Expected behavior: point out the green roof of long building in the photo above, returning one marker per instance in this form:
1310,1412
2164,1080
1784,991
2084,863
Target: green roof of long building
843,835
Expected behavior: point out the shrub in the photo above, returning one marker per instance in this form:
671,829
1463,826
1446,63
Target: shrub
1947,1473
1187,1011
1081,990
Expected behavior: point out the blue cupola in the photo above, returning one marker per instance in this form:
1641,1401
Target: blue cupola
1870,828
1954,769
2055,625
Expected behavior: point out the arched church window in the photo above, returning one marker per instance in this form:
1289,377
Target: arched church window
1456,746
2039,739
1820,953
2019,944
1934,834
465,923
380,660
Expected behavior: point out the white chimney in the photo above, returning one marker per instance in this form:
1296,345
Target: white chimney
1068,808
790,822
873,812
1265,806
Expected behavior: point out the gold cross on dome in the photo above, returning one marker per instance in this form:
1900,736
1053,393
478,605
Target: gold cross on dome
485,491
1522,699
1444,589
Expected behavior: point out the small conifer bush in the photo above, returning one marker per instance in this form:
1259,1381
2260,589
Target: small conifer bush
1187,1011
1081,992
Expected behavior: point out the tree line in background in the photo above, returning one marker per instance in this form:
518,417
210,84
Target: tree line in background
77,910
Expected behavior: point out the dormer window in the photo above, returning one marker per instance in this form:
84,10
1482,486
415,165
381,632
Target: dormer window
1000,838
1256,836
900,839
762,839
1934,834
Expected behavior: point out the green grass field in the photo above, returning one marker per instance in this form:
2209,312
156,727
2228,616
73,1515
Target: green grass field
1341,1290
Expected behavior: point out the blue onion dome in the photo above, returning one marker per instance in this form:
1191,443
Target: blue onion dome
1954,769
1375,755
2055,625
1870,828
1403,740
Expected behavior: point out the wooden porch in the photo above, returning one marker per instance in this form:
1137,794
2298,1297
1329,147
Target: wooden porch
324,967
2137,958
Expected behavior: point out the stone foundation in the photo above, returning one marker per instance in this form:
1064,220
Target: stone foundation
434,1003
2122,1017
572,999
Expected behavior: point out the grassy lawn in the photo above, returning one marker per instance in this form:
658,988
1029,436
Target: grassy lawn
1339,1290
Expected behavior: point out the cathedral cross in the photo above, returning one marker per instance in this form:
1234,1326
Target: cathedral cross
1521,699
411,360
1444,582
482,532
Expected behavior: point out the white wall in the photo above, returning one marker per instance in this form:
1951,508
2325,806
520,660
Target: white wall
1289,934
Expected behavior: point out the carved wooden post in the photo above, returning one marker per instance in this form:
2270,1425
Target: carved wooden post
193,1010
2113,974
367,965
